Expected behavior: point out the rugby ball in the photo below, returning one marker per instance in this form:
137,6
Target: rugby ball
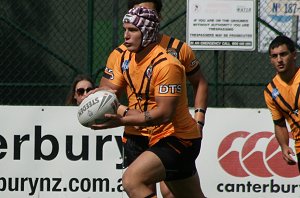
93,108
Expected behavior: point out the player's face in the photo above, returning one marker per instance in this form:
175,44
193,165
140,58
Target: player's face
132,37
81,89
282,59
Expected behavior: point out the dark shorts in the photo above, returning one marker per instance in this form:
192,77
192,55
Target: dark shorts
177,155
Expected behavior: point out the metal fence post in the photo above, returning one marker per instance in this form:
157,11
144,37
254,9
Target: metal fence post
89,67
115,24
216,60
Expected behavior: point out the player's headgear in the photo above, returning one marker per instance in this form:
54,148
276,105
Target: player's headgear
146,20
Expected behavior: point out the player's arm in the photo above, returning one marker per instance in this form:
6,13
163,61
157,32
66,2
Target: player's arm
200,88
282,136
197,81
105,84
163,113
280,128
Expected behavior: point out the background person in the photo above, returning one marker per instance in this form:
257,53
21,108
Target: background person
81,85
167,142
282,96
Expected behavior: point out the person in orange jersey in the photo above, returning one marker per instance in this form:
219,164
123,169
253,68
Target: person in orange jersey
161,138
282,96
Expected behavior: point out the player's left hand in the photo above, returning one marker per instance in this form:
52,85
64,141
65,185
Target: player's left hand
113,120
288,154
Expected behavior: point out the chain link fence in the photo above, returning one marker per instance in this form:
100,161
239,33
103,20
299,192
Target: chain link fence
45,44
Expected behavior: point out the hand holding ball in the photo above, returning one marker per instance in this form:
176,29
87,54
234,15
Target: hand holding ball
93,108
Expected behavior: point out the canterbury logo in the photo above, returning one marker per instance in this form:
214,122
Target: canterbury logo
242,154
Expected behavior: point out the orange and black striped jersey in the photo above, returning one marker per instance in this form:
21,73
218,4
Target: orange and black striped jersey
282,100
173,46
158,74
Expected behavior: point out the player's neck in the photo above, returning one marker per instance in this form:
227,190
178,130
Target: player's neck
144,52
288,75
159,37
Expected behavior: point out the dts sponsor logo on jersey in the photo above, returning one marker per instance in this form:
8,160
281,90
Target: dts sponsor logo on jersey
171,88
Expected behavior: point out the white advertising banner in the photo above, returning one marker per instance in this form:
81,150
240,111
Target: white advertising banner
240,157
221,24
46,153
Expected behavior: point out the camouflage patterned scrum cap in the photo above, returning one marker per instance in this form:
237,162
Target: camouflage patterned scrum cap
146,20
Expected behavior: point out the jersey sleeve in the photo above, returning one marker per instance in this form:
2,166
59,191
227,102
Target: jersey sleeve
169,80
113,70
114,73
275,112
111,61
188,58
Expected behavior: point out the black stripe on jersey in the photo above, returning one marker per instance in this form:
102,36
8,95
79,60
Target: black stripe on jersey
193,71
159,61
128,76
149,79
297,98
119,50
158,55
278,122
147,97
174,51
179,46
281,98
139,94
105,75
122,60
171,41
127,70
270,93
